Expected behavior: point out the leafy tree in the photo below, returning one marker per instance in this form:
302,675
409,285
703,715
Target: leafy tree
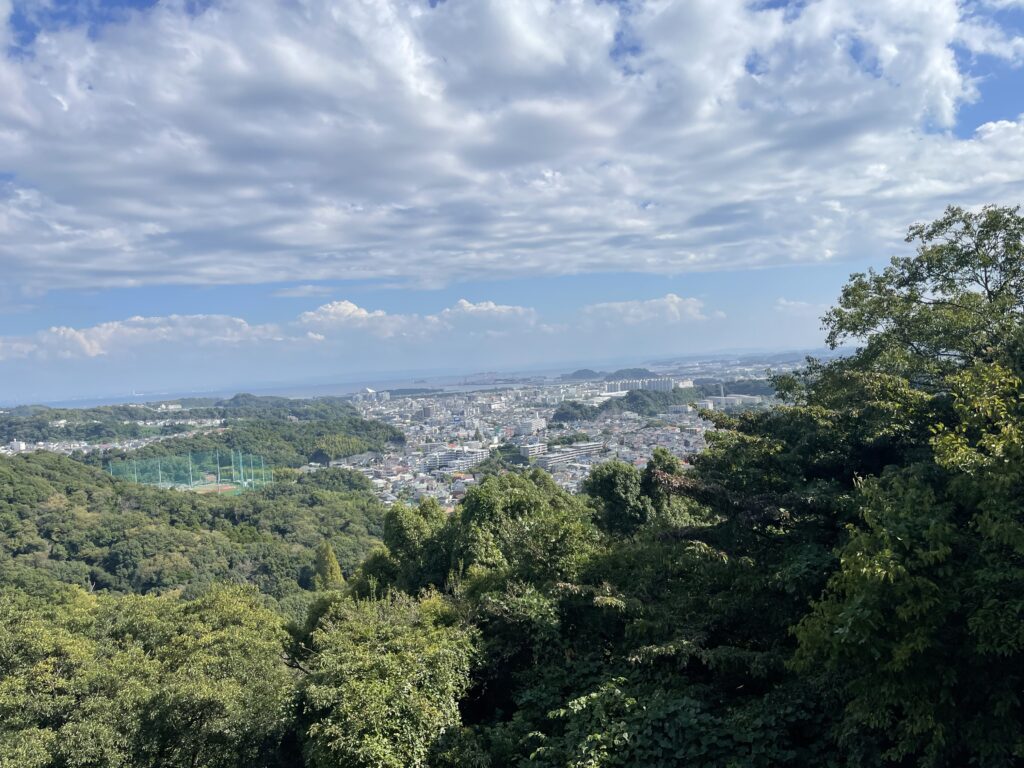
571,411
643,402
142,681
921,627
661,467
385,677
957,300
615,488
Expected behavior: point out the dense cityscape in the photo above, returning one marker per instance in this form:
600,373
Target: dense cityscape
452,435
448,435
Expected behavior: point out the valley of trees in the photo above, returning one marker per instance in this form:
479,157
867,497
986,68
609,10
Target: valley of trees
61,521
837,581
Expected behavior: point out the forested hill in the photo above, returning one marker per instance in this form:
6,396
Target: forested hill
643,402
836,581
63,521
282,443
287,432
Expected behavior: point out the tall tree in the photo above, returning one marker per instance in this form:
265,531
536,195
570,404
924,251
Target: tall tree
326,571
957,300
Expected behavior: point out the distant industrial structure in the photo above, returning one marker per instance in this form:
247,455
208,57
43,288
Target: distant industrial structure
212,472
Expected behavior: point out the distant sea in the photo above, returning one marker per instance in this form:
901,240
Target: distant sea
444,382
450,383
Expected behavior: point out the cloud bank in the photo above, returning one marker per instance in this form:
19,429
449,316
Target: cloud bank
425,143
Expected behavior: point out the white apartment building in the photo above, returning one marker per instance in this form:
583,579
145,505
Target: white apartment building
566,455
661,384
533,450
530,426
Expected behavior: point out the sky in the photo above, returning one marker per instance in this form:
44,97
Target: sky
202,195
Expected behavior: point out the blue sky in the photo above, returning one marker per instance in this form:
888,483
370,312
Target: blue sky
210,195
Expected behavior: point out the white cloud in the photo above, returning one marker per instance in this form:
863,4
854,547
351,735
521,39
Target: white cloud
257,142
465,316
668,310
347,324
486,311
14,349
335,321
170,333
344,315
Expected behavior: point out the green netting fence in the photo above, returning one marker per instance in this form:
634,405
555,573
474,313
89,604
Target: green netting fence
217,471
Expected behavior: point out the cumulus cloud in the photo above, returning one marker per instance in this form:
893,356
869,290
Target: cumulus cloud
342,315
410,141
169,332
464,316
668,310
343,322
486,309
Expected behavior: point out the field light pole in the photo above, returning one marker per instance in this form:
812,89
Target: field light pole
190,469
217,453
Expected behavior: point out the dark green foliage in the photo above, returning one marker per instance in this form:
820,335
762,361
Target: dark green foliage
763,387
571,411
922,625
285,443
509,527
570,439
77,525
289,431
504,458
661,467
614,487
36,423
